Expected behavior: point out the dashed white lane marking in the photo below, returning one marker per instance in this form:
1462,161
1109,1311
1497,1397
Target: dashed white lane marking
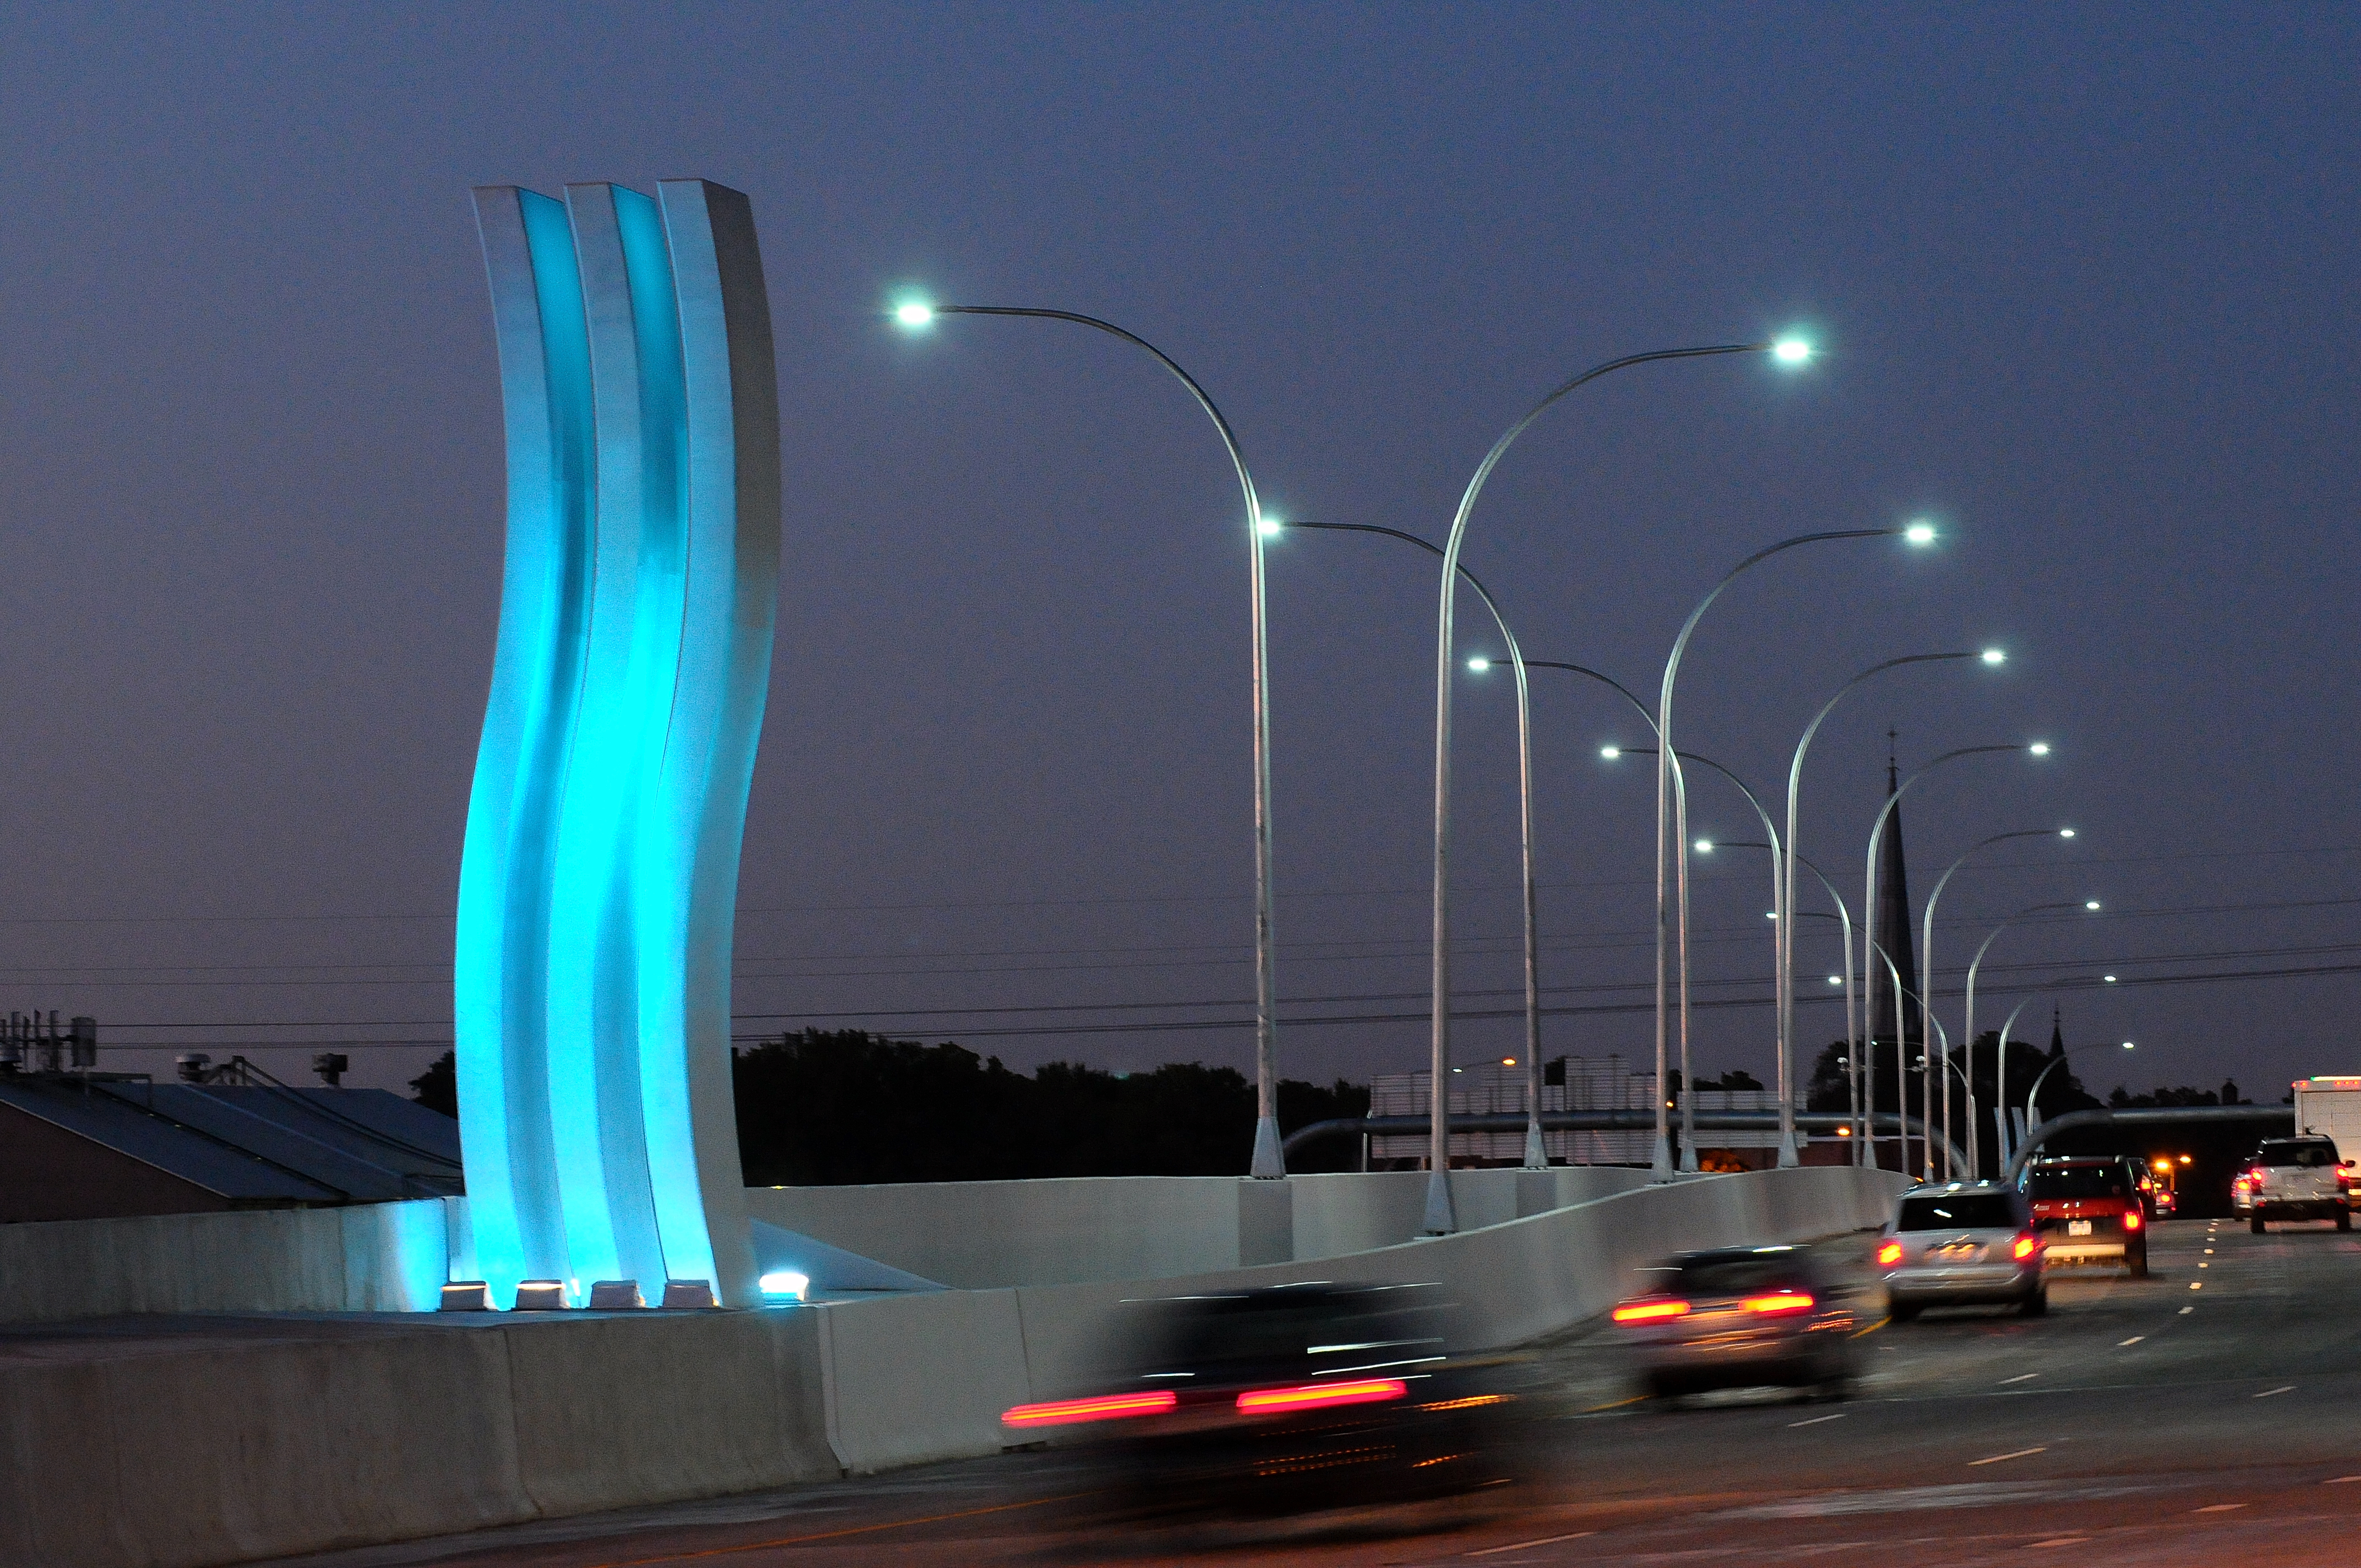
2186,1310
2121,1345
1816,1420
2062,1540
2197,1285
2205,1266
2217,1507
1996,1458
2020,1377
2340,1480
2269,1392
1520,1545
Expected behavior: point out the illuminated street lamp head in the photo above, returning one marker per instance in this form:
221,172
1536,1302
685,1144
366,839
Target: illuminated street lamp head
1705,846
915,314
1791,351
2127,1044
1270,526
2040,748
1996,656
1919,534
2092,905
1479,663
2065,832
1610,752
1836,980
2111,980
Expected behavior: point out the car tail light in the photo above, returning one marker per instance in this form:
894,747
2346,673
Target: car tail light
1780,1303
1654,1311
2027,1244
1313,1395
1889,1254
1105,1407
2132,1220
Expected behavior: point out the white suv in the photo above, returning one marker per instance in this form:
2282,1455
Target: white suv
2295,1178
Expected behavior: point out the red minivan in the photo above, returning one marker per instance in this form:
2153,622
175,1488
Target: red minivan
2087,1209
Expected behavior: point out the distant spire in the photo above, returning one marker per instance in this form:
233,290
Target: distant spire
1893,921
2056,1033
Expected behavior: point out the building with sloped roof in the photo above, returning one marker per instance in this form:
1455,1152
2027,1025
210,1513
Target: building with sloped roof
89,1146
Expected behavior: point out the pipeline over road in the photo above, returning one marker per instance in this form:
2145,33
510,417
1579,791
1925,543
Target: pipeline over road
2166,1115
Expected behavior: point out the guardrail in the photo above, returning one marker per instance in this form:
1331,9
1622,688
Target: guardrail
1882,1122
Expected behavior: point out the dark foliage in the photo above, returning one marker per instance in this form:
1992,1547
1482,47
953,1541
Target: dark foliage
438,1088
824,1108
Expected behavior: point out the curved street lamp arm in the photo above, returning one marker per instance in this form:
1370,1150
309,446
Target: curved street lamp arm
1267,1160
1204,401
1646,717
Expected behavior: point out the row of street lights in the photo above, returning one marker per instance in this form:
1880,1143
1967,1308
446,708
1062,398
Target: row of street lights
1672,831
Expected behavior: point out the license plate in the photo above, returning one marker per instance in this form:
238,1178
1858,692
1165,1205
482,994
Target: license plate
2078,1227
1952,1252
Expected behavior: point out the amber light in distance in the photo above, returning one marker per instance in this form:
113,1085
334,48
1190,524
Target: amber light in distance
1106,1407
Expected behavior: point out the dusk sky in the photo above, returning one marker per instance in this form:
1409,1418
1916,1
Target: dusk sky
2084,278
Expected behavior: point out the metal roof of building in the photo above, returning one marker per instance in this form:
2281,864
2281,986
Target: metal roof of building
260,1144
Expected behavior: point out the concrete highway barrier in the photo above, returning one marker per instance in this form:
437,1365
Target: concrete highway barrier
196,1440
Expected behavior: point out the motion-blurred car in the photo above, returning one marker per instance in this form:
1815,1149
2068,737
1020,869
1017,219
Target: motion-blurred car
2089,1209
1288,1400
1740,1318
2295,1178
1961,1244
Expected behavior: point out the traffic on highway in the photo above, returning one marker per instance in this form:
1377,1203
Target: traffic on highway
2055,1367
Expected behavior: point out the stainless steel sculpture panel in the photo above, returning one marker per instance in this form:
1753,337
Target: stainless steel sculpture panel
598,885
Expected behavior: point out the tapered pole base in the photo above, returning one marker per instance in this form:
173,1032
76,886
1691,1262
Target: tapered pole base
1688,1158
1536,1156
1788,1157
1662,1165
1268,1163
1440,1221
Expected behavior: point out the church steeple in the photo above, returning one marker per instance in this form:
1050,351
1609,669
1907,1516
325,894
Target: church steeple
2057,1032
1893,924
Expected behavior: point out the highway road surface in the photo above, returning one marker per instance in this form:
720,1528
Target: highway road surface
2210,1414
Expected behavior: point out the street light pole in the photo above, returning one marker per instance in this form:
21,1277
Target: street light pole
2030,1122
1927,958
1536,1154
1267,1162
1778,917
1786,991
1853,1018
1440,1219
1869,901
1977,963
1917,534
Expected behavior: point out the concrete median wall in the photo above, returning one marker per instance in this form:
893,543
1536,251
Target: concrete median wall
370,1257
1514,1282
981,1235
205,1443
206,1451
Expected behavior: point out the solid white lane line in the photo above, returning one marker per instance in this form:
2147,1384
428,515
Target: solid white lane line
1996,1458
2020,1377
1520,1545
2340,1480
2217,1507
2269,1392
1816,1420
2133,1340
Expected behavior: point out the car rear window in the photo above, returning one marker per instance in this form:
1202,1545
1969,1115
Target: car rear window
2078,1181
1741,1275
2290,1152
1959,1211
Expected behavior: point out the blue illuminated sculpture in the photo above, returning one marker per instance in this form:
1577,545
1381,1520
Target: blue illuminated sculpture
598,890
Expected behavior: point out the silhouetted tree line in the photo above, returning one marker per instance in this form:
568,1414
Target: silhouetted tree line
831,1107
